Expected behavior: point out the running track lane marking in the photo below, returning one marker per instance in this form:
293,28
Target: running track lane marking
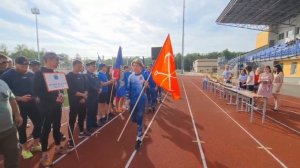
288,127
148,127
81,142
195,129
248,133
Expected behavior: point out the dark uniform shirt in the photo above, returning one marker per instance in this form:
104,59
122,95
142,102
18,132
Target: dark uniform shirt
20,84
40,87
93,85
76,83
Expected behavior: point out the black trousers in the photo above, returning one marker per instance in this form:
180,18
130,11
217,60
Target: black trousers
51,116
92,109
30,110
77,109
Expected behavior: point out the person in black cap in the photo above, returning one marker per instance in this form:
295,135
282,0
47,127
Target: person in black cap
35,66
20,81
77,94
93,89
50,105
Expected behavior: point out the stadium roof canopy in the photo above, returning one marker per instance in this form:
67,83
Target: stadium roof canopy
258,14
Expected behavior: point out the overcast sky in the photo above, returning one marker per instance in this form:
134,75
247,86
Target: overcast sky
90,26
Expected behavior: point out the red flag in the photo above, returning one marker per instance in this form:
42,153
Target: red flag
164,70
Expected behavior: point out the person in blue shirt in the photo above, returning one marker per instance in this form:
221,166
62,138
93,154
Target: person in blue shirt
121,89
136,82
20,81
151,90
104,96
93,89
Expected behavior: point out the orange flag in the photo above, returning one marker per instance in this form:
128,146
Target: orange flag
164,70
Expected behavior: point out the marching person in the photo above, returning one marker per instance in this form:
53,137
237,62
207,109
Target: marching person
104,96
93,89
50,105
136,82
77,94
152,95
20,81
9,118
277,84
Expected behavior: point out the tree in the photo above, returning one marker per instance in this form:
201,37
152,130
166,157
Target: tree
3,49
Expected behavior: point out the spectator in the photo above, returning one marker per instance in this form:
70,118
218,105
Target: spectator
265,80
8,133
258,71
35,66
243,79
3,63
250,78
277,84
50,108
205,82
20,81
227,75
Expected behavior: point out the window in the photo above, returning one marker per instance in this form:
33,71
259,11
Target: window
289,34
298,30
281,36
293,68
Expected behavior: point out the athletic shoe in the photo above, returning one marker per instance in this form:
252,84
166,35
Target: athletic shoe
110,116
84,134
149,110
62,150
71,144
45,161
36,148
138,144
26,154
153,109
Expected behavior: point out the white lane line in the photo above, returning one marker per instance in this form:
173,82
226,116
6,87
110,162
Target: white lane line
148,127
248,133
273,119
195,129
81,142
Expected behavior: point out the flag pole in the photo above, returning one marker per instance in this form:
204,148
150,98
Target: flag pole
182,51
133,108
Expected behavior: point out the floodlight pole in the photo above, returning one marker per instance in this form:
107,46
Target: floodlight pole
36,12
182,51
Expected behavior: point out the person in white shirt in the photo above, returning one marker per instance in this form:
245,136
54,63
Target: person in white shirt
227,75
250,78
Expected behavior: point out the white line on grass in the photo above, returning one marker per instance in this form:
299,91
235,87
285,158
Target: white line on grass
148,127
195,129
248,133
81,142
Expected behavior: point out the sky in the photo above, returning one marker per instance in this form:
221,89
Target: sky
88,27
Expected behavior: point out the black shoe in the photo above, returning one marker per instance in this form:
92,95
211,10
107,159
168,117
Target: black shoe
63,137
274,109
138,144
110,116
71,144
153,109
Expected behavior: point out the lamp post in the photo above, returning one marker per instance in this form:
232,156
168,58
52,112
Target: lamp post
36,12
182,51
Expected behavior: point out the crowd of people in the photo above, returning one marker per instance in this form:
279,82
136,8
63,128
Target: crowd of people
266,83
94,95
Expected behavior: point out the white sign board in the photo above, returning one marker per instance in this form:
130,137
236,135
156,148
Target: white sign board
55,81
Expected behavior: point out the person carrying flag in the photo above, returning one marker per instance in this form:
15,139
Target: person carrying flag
136,82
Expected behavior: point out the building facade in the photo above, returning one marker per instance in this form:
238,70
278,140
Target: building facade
205,65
